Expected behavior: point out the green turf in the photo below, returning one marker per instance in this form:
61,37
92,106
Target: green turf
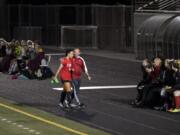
33,124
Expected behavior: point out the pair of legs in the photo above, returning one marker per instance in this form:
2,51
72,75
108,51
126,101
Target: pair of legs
139,96
76,86
140,88
145,92
67,85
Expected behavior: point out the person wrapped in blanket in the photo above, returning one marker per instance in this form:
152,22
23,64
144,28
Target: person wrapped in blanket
151,81
160,80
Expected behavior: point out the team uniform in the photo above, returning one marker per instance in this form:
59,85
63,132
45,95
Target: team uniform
65,75
66,72
79,66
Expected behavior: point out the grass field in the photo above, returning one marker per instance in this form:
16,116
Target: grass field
16,119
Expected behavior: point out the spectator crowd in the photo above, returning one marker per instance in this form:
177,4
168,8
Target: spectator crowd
24,60
160,85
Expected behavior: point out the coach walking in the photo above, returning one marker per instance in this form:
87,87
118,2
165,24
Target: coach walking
79,66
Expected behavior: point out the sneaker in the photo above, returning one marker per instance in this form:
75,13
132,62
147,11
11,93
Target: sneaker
81,105
65,101
160,108
61,105
170,110
139,104
174,110
67,106
133,102
73,105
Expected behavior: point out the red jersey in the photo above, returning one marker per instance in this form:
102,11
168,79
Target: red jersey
65,72
79,66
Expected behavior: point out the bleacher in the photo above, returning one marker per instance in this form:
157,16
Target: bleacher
145,4
157,4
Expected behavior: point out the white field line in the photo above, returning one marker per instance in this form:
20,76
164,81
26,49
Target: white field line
54,54
32,131
102,87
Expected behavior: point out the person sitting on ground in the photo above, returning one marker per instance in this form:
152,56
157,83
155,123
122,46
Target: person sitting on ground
2,47
31,52
23,59
7,59
2,52
45,70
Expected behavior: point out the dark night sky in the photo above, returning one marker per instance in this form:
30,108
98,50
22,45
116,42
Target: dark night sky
107,2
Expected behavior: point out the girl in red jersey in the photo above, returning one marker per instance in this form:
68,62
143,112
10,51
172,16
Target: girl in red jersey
65,74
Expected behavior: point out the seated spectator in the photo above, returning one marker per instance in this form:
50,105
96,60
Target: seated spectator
153,74
23,60
6,60
158,89
169,80
13,69
2,47
145,80
45,70
34,64
2,52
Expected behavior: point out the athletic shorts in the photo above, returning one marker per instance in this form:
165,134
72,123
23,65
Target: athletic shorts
64,81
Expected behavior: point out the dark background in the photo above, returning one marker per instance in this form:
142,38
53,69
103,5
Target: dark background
42,20
108,2
117,22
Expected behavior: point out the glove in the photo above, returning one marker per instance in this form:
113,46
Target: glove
55,80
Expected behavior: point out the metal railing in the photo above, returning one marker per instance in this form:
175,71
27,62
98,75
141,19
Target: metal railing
167,4
156,4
